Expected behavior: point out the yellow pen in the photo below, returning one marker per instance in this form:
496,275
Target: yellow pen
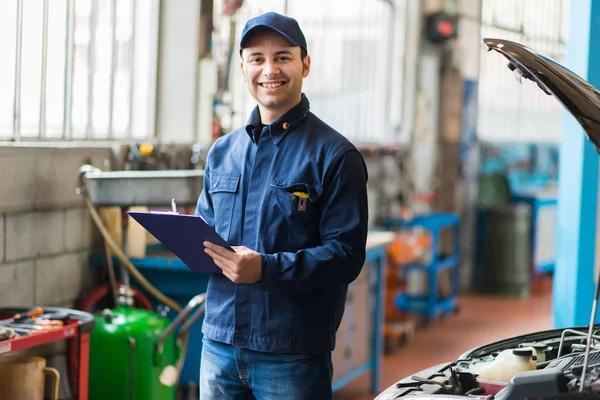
302,197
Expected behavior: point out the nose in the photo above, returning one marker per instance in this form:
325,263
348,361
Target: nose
270,69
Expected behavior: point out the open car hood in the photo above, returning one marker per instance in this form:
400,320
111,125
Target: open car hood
574,93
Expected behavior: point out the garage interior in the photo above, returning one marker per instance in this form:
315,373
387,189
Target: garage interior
483,192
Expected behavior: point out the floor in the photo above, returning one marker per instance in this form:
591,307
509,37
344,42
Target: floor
481,319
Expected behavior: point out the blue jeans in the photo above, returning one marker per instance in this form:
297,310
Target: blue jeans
228,372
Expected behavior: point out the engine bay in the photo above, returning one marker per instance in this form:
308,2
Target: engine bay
542,365
553,364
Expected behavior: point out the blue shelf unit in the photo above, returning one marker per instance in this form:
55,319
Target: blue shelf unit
429,306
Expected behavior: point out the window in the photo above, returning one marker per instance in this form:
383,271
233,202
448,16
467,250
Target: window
509,112
83,69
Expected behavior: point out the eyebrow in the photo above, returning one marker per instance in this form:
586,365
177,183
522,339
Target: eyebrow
258,53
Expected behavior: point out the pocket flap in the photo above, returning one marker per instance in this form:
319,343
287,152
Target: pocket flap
227,183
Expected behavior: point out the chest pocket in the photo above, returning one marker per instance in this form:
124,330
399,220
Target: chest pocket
224,188
300,196
294,215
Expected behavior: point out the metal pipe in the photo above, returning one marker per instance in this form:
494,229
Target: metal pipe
44,73
586,359
113,66
128,130
197,314
562,338
191,305
18,56
111,273
389,71
69,60
125,244
91,67
150,126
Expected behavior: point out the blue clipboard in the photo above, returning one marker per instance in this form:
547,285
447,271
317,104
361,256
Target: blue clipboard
183,235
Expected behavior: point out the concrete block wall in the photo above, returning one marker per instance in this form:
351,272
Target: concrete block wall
46,234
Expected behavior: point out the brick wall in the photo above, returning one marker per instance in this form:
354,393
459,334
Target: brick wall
46,234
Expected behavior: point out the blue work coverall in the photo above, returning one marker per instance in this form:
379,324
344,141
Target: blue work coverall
294,191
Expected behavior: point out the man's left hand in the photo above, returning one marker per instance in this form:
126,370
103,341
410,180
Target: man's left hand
242,266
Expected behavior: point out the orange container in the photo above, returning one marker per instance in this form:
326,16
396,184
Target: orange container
409,247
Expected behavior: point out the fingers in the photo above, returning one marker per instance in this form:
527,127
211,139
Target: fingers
228,261
228,272
220,251
227,265
221,261
216,248
235,278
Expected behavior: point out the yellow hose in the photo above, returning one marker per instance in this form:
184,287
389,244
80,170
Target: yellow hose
118,252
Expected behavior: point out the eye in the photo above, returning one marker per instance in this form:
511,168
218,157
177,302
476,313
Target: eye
283,58
255,60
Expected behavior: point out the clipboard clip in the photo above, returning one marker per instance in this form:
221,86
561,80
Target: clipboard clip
173,209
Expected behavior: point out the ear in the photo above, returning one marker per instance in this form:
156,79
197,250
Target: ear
242,70
305,66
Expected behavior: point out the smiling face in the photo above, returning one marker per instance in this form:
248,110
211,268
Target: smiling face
273,70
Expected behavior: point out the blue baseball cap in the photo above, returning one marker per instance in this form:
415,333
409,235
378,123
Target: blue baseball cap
286,26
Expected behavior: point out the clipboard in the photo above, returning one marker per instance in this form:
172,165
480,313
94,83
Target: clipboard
183,235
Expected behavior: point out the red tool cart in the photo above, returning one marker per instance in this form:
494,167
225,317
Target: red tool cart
75,326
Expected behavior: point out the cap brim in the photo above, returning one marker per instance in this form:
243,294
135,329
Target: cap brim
253,30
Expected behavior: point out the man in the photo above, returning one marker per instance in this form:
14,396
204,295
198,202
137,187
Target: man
289,194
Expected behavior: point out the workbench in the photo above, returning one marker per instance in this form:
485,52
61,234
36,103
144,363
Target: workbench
359,341
359,346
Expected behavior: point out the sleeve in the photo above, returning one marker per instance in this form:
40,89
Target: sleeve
343,229
204,207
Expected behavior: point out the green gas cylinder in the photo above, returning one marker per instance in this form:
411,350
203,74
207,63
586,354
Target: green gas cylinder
125,359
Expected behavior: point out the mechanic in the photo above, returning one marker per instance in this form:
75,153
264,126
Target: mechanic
289,193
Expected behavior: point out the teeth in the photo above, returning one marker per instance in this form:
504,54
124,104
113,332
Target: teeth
271,85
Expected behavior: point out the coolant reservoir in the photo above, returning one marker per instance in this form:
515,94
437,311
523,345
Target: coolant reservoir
511,352
509,363
540,349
